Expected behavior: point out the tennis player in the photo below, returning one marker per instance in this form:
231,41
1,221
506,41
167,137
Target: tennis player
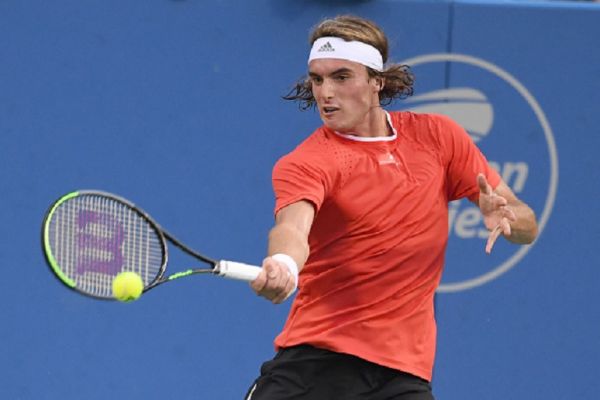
361,227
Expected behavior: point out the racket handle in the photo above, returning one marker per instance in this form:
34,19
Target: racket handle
236,270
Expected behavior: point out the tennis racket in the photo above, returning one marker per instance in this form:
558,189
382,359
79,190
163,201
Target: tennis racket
89,237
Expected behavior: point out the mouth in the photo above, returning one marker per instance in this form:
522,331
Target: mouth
328,111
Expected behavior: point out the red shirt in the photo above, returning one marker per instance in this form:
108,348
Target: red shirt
378,239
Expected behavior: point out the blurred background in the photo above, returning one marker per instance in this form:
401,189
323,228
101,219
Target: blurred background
176,105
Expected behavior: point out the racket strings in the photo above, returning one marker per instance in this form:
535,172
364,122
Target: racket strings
94,238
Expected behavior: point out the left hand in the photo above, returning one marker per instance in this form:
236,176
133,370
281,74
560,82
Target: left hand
497,215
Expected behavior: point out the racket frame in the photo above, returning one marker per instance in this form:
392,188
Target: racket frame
162,235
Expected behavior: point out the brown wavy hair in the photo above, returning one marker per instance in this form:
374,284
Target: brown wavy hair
398,79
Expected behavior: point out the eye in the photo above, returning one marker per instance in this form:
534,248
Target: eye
316,80
342,78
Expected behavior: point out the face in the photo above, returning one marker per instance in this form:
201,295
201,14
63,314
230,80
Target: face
346,96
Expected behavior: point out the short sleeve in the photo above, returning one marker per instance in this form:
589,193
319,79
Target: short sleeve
299,178
464,161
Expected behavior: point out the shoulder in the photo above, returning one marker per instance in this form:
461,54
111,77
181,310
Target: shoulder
428,130
422,122
315,148
311,154
307,172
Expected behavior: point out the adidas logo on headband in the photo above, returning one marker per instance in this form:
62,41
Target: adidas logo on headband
326,47
341,49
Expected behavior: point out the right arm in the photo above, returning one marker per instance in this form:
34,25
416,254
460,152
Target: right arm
289,236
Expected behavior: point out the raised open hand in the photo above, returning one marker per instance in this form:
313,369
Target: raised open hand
497,215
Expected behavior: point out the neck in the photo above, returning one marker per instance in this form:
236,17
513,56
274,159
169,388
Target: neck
375,125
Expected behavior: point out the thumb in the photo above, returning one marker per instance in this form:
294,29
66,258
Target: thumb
484,187
271,269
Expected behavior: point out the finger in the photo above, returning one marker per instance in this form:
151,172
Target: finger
506,228
291,288
499,201
282,276
259,283
484,187
272,272
494,234
286,289
510,214
269,290
277,277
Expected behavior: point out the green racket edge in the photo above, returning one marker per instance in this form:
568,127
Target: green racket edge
47,249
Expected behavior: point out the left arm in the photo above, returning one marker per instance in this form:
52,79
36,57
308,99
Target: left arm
504,214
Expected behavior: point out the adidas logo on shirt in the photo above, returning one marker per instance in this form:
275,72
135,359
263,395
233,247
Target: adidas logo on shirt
387,158
326,47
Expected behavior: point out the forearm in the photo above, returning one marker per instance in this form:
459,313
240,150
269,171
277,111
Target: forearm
287,239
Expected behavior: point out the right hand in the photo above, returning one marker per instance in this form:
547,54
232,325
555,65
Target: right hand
275,282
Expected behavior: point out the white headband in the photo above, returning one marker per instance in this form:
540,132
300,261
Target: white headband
334,47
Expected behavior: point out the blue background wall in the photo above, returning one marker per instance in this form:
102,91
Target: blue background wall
176,106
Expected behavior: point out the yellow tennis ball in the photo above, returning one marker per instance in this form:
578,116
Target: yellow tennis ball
127,286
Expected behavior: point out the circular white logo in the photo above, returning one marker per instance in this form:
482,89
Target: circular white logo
508,124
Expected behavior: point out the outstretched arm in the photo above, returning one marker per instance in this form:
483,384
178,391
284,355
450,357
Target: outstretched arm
289,237
504,214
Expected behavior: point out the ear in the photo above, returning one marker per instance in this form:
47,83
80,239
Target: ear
379,83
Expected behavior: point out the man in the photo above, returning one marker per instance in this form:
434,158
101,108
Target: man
361,226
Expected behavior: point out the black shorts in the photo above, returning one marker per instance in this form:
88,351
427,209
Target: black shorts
308,373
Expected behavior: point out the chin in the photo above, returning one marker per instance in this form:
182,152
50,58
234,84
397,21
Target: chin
335,126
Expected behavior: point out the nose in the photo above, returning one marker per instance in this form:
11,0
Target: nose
326,89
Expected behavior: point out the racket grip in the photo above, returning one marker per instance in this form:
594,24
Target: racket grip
236,270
